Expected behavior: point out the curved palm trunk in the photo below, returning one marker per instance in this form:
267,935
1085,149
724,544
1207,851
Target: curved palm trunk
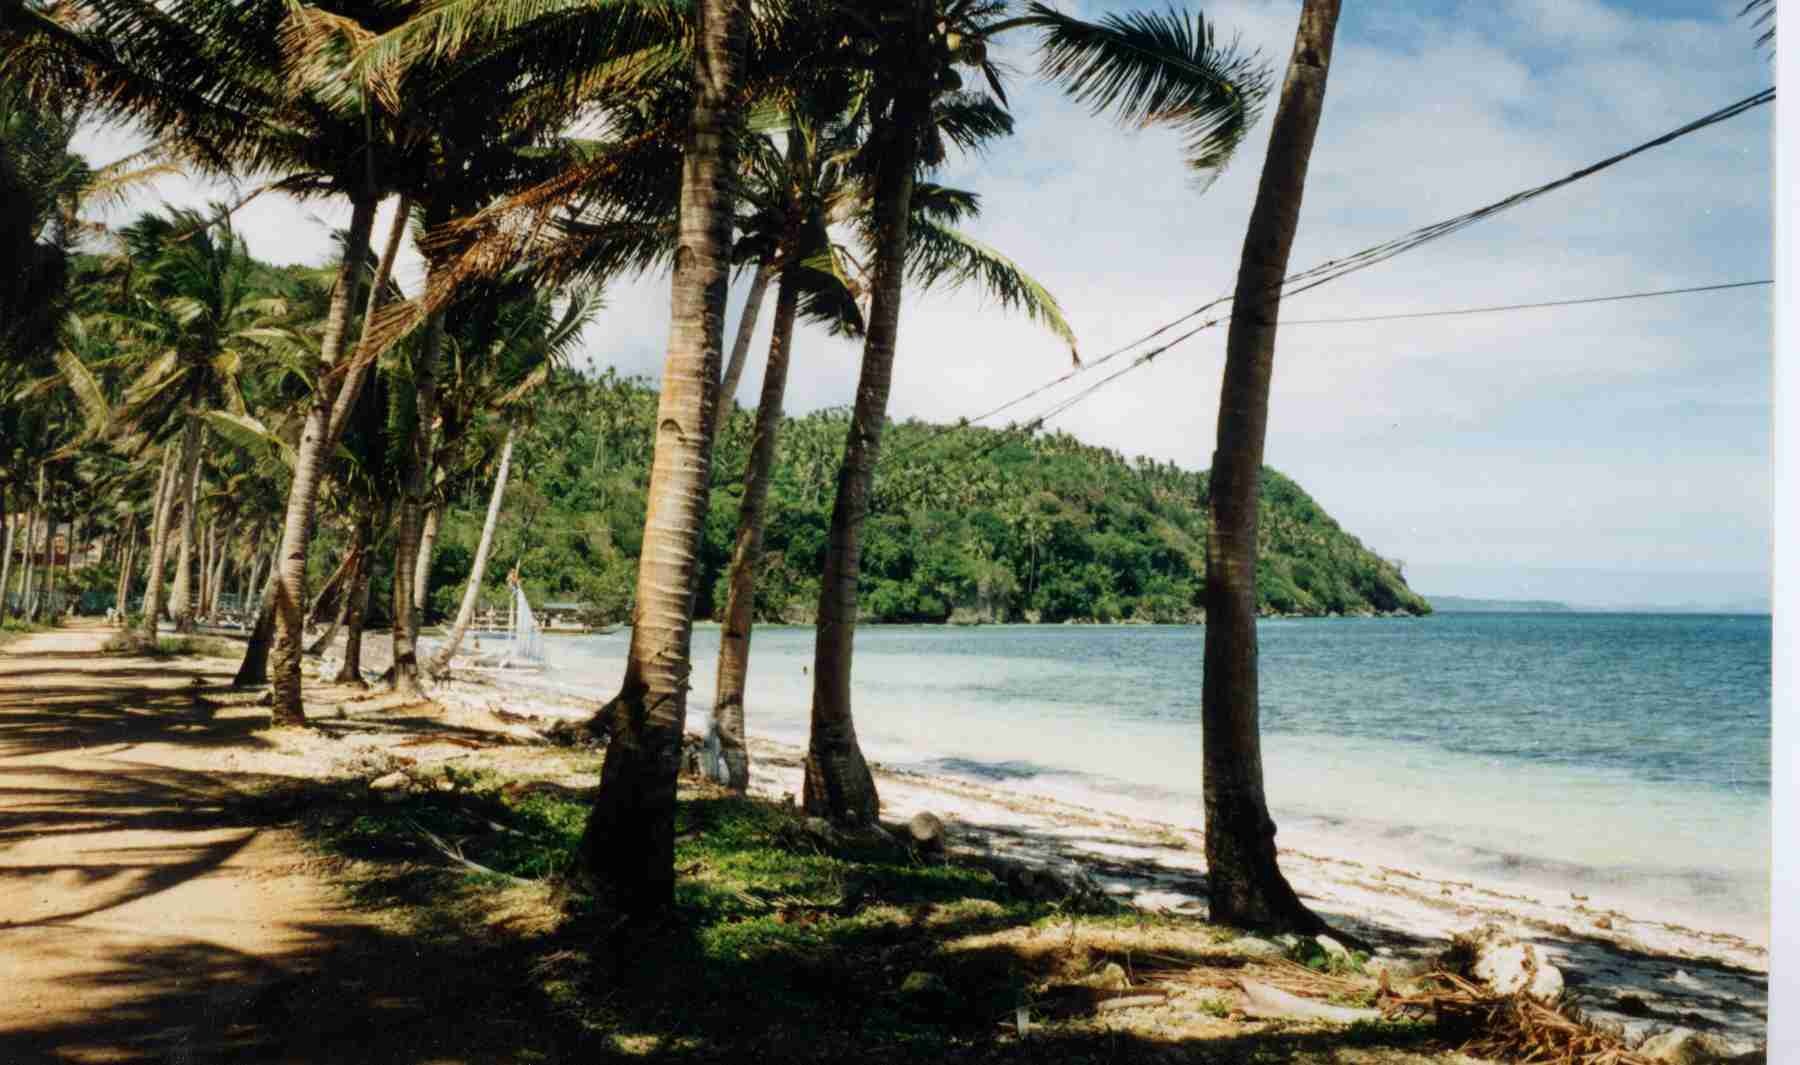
740,348
182,602
422,564
210,602
378,296
465,613
405,677
1244,883
253,671
839,785
355,561
327,598
731,767
628,845
309,467
153,593
127,562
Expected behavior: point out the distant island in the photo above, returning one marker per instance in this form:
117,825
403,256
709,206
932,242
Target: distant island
1456,604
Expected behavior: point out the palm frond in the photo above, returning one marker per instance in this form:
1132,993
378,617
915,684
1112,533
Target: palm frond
249,433
1151,68
95,408
938,254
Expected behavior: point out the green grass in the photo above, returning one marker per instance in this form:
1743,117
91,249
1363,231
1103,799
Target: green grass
781,945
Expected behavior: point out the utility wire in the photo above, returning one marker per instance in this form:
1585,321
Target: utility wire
1333,269
1526,306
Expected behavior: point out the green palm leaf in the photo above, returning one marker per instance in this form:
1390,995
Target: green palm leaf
936,254
1158,69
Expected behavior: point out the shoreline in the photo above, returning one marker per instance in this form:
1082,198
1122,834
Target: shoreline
1642,972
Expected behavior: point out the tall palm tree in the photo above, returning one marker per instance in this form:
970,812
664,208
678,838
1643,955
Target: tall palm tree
530,341
815,190
190,324
1244,883
1159,65
628,843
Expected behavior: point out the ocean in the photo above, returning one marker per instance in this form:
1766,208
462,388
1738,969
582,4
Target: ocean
1620,756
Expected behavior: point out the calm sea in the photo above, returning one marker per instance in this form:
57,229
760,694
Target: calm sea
1623,755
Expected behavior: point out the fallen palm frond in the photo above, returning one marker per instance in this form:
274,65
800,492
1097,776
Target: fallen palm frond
1517,1027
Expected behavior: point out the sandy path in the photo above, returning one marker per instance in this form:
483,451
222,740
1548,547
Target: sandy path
140,916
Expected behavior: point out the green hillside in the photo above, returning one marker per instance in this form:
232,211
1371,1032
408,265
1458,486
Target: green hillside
967,525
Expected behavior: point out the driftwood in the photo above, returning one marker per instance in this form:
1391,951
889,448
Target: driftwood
455,854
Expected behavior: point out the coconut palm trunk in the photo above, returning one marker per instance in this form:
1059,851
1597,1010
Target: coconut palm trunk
6,557
254,669
1244,883
740,347
32,548
350,670
351,571
628,845
182,601
434,516
153,594
405,677
209,603
46,602
731,765
127,562
465,613
30,523
838,784
309,468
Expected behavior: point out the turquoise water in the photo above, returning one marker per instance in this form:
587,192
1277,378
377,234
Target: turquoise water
1617,754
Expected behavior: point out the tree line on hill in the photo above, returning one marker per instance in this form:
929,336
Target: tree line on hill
965,525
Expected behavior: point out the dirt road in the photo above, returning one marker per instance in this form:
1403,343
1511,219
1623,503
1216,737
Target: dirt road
143,916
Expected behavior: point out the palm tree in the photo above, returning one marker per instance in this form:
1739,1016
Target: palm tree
628,844
195,305
815,190
1159,65
509,357
1244,883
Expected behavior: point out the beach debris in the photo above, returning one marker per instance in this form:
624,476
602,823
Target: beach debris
927,832
1684,1046
1491,956
1129,1002
1397,968
391,787
1254,947
1271,1003
1109,977
1513,967
1331,947
1069,883
1517,1027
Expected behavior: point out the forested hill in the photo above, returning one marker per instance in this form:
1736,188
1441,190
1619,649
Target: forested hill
969,524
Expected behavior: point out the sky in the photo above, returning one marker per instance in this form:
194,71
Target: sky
1602,455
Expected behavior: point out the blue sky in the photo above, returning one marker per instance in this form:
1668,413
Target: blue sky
1609,454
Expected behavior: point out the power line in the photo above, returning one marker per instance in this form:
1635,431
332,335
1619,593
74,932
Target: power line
1527,306
1333,269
